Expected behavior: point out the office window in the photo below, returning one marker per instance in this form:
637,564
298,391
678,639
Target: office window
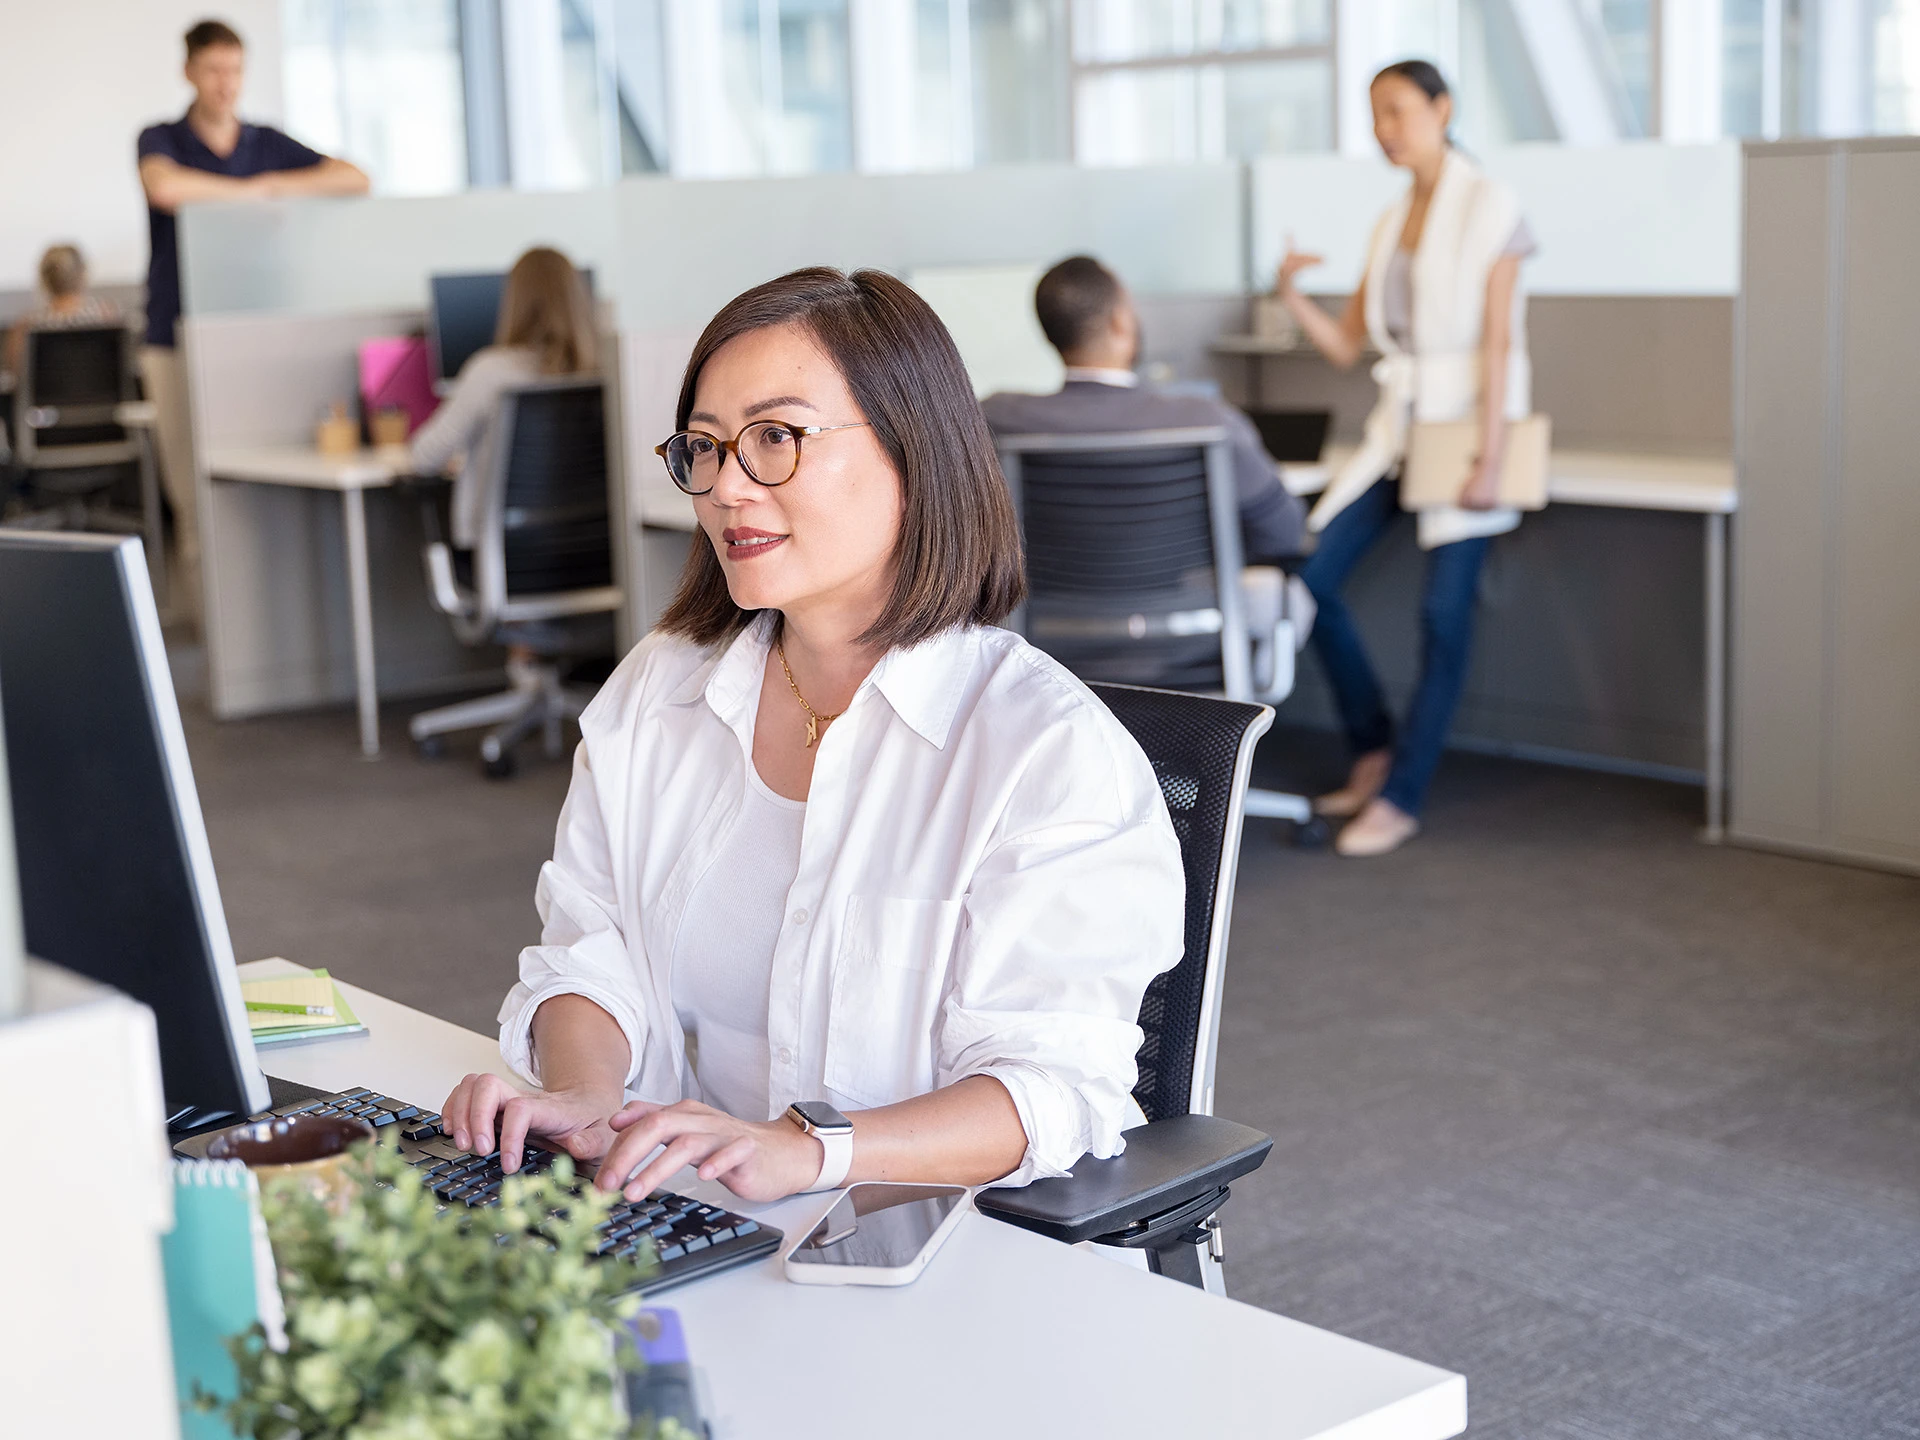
1206,80
1896,67
1626,51
1021,67
378,82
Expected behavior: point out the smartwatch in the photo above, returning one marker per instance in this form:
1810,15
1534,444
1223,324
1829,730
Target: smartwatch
835,1134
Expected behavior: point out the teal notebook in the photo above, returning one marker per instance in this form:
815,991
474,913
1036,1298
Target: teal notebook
219,1281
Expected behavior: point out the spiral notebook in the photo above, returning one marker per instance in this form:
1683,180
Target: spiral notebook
220,1279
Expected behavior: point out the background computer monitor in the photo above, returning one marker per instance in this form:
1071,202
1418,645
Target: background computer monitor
116,878
465,311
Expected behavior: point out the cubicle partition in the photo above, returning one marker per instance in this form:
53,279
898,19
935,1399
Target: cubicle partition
1827,592
277,581
1595,643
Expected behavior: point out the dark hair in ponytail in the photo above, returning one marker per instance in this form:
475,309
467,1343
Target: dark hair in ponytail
1423,73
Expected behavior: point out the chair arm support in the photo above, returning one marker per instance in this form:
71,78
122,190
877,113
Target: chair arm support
440,582
1167,1165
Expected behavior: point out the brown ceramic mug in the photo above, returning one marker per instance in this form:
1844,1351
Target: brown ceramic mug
311,1151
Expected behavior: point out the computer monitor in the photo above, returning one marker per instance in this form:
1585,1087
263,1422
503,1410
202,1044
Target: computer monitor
464,316
13,955
116,878
466,309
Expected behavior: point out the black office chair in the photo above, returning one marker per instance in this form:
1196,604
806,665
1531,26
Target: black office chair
1135,576
1163,1194
542,574
78,427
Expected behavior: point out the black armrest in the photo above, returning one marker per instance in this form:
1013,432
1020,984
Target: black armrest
1167,1165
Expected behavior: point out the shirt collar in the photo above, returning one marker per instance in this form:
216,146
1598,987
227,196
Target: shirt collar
923,683
1100,375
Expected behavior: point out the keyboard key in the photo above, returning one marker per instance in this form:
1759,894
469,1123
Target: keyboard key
417,1131
671,1252
299,1107
695,1242
380,1118
718,1233
746,1228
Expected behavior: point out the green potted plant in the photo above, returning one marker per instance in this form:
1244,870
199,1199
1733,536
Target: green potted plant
405,1324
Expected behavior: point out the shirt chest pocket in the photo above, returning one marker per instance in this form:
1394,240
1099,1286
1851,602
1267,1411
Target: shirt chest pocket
887,980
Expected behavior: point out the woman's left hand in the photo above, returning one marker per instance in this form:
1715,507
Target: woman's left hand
756,1159
1482,490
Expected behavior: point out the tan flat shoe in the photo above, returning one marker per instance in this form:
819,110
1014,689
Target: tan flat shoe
1366,780
1380,829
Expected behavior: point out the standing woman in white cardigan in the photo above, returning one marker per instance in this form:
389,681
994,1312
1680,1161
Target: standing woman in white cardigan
1441,302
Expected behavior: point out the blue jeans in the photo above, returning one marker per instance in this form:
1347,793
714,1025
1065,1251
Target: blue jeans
1446,639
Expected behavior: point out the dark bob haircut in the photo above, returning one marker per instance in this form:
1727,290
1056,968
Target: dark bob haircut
958,560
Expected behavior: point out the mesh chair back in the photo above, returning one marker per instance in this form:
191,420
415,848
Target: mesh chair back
1201,749
1122,554
556,524
74,378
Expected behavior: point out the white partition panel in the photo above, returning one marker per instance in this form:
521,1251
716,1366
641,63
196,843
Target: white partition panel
1636,219
313,256
687,246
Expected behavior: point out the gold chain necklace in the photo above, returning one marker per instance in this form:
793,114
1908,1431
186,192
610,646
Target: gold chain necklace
814,718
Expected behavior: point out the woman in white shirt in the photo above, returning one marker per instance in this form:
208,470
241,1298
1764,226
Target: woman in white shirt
833,840
1441,301
545,329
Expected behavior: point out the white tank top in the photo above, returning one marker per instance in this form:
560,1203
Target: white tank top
723,956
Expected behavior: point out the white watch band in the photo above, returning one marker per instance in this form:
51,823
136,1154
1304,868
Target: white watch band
838,1160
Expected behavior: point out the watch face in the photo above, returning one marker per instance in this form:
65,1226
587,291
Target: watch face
821,1115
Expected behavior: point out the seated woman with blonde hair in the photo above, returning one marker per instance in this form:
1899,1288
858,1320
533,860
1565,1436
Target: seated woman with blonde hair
545,330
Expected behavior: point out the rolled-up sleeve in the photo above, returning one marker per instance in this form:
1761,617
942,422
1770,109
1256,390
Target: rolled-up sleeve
1066,922
582,950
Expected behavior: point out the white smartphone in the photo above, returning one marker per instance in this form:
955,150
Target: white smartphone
878,1233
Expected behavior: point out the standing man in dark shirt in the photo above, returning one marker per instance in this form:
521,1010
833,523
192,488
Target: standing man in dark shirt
207,154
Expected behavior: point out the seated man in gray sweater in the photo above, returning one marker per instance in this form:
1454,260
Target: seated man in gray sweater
1089,318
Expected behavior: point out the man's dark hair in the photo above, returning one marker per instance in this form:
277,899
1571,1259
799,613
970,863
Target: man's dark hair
958,559
209,33
1074,300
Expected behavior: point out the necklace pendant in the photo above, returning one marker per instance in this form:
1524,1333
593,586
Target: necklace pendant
813,732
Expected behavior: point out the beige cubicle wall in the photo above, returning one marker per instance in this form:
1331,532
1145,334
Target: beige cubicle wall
277,604
1826,679
1631,344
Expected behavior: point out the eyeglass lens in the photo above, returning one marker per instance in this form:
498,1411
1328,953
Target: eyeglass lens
767,449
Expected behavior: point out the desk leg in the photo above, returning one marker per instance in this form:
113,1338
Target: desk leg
353,509
1716,679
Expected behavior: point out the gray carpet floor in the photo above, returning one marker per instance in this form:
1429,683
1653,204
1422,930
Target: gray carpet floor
1623,1127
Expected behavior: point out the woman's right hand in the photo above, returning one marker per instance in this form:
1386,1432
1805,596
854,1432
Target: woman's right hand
485,1109
1291,264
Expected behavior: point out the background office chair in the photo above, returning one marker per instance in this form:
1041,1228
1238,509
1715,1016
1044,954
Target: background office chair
79,430
1163,1193
1134,572
542,574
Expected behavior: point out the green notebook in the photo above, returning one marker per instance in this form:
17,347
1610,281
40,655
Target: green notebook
220,1280
272,1029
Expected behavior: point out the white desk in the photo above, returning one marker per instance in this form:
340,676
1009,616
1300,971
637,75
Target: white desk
349,476
1629,481
1005,1333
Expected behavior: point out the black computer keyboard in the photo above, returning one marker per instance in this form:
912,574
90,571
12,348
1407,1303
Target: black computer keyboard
691,1238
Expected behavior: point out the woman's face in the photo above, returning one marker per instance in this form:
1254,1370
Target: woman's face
1410,127
823,543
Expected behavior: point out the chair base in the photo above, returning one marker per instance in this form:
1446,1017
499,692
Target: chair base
538,701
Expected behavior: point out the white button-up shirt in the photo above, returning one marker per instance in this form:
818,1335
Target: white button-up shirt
988,881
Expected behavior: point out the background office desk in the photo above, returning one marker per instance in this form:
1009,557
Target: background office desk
348,476
274,566
1628,481
1005,1333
